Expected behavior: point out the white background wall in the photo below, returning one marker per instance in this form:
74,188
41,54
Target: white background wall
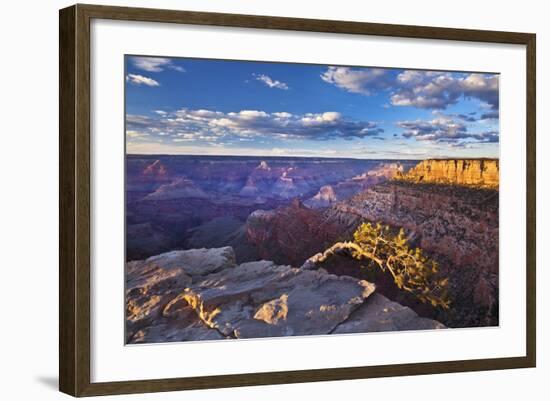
28,197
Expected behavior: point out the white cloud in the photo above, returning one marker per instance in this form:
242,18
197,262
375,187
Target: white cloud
199,124
438,90
282,114
155,64
421,89
364,81
249,114
322,118
272,83
445,129
141,80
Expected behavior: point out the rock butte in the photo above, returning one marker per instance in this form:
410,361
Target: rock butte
473,172
202,294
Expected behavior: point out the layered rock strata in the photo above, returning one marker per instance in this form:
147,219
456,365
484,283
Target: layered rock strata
471,172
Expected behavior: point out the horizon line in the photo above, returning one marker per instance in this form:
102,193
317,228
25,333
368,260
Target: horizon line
316,157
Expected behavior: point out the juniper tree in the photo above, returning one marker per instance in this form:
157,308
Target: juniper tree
381,248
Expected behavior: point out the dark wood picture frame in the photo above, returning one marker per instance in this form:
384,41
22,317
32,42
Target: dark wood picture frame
74,202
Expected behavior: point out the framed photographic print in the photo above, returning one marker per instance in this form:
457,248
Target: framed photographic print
279,200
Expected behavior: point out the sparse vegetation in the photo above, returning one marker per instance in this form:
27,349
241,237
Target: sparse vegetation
380,247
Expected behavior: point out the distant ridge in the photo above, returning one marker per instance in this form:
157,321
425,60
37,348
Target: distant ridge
260,157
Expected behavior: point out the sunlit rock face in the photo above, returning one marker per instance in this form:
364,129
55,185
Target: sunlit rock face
472,172
202,294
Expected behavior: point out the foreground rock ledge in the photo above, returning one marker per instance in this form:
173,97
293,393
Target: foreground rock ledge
202,294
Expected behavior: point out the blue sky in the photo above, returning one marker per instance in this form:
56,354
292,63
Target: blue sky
221,107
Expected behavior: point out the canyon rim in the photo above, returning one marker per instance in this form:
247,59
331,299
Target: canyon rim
276,199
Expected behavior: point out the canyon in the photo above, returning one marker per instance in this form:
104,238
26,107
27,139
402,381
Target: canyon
215,244
170,199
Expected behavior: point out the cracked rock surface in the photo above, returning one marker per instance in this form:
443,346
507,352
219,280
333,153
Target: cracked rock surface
202,294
